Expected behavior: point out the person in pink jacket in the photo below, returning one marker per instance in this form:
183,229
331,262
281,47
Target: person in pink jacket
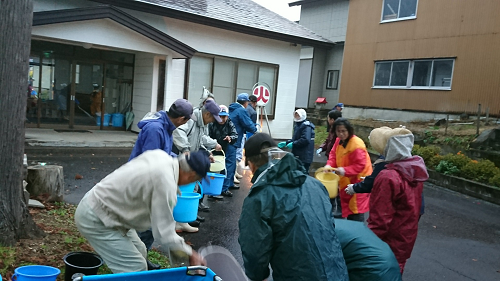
397,192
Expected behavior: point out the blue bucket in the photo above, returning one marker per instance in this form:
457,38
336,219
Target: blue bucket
118,120
190,187
35,273
186,209
214,184
107,118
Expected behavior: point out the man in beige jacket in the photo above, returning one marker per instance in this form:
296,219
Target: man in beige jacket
137,196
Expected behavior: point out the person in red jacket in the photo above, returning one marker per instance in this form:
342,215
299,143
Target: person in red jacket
397,192
350,160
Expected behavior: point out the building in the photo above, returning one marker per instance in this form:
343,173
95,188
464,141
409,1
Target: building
423,57
321,67
143,55
412,59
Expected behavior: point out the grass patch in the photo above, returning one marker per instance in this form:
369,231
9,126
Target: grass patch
321,135
62,237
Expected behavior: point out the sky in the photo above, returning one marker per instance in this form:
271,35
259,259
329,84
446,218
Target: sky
281,7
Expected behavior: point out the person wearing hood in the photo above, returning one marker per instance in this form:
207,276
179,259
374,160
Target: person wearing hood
156,133
243,124
302,142
350,160
286,219
397,192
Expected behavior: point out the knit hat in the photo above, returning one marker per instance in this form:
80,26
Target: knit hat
380,136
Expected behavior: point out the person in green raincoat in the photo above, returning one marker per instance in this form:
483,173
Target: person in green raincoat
286,220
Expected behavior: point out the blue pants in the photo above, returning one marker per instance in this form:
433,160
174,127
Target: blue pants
230,167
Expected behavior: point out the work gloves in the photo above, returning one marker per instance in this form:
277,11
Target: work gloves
350,189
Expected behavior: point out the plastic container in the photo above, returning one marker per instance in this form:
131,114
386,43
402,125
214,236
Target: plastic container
190,187
192,273
118,120
186,209
81,264
214,184
330,180
35,273
107,118
219,164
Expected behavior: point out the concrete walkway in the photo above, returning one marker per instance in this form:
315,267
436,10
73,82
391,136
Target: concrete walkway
87,138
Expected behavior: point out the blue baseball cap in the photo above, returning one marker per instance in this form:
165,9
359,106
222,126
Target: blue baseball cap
223,110
199,162
341,105
213,108
242,97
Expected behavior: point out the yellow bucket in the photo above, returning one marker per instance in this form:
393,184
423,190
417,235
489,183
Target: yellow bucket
219,164
330,180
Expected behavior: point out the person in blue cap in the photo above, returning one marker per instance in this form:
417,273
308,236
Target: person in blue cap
243,124
338,107
139,195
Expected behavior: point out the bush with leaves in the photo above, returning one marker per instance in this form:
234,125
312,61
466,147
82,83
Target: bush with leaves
458,160
447,168
426,152
495,181
480,171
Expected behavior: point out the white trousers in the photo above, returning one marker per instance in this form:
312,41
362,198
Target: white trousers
121,253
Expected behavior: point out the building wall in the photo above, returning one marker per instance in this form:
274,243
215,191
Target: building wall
466,30
327,18
304,83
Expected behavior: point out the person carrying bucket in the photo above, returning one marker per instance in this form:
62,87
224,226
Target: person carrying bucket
139,195
225,133
156,133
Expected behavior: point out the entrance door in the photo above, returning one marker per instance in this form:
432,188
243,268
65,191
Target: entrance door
87,95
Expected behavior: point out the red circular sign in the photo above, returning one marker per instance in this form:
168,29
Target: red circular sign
262,93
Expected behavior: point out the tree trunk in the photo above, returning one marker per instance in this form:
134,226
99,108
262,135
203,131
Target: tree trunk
46,179
16,17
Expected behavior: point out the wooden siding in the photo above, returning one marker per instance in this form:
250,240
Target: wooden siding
466,30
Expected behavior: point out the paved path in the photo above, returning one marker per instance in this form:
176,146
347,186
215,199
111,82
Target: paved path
459,236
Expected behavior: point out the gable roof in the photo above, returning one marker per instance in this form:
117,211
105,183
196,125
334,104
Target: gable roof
299,3
244,16
102,12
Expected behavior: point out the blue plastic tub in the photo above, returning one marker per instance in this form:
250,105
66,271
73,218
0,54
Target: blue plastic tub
118,120
107,118
190,187
186,209
214,184
35,273
192,273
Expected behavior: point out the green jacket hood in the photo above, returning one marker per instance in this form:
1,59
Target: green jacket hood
287,172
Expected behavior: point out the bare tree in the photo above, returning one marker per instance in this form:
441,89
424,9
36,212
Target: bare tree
15,28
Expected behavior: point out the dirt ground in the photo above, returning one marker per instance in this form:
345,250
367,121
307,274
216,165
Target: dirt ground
61,238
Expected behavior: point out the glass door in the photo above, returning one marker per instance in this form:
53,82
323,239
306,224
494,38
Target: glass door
87,97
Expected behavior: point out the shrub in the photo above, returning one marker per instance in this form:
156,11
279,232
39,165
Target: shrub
447,168
426,152
458,160
495,181
480,171
434,161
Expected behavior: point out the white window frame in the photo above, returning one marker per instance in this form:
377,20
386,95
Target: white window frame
409,79
332,75
398,18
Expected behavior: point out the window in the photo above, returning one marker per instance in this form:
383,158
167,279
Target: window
228,77
332,79
399,10
415,74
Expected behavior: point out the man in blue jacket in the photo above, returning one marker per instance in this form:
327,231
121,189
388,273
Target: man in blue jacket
243,124
156,133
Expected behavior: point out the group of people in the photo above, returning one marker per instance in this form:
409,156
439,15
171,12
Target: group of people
173,148
287,222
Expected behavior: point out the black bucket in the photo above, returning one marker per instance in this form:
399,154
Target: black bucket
81,264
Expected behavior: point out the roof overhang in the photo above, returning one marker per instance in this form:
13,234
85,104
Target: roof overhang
299,3
112,13
171,13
